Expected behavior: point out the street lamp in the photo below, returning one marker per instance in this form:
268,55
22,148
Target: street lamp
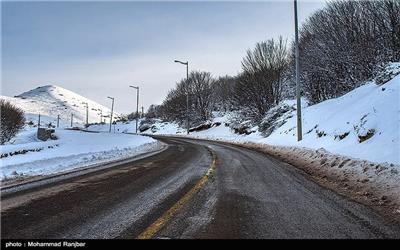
299,128
112,110
187,92
87,114
137,104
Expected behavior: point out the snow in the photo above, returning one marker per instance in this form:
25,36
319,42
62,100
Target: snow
50,101
26,156
161,128
371,183
72,149
367,108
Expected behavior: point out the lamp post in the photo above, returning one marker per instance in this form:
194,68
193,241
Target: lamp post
299,127
87,114
112,110
187,92
137,104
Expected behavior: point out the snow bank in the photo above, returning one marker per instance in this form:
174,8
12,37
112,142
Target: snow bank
73,149
343,125
374,184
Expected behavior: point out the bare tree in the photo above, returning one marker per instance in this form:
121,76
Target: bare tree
199,85
223,93
259,87
342,45
200,89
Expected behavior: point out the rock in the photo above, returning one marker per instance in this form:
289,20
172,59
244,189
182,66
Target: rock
144,127
201,127
44,134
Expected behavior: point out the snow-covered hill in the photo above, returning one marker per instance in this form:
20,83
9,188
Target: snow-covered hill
50,101
364,124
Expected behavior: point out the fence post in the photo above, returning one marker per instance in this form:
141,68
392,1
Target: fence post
58,121
72,119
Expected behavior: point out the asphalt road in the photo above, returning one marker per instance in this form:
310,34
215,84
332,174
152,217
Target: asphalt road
245,194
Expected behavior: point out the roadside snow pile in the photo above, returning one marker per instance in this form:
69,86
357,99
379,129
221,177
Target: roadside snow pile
73,149
50,101
368,182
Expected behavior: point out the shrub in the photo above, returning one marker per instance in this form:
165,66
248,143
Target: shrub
387,72
368,135
12,120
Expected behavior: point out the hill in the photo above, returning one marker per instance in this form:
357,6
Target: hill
50,101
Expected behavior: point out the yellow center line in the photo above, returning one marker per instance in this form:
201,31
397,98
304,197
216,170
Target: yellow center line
160,222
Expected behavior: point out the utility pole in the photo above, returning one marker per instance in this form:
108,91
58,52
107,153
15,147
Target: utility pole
101,116
137,105
112,110
72,119
299,128
58,121
187,92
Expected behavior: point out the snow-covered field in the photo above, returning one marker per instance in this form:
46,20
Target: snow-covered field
26,156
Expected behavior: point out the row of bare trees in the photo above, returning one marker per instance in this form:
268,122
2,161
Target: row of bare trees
341,46
199,87
345,43
258,88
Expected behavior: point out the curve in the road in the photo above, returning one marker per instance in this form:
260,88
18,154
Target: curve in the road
250,195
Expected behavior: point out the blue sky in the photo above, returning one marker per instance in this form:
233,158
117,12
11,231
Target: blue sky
100,48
